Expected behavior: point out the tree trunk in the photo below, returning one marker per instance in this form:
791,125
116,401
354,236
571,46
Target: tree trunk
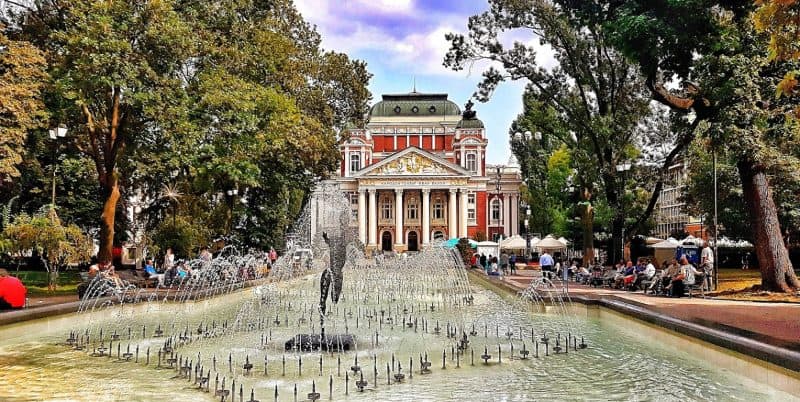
777,273
110,190
617,242
587,222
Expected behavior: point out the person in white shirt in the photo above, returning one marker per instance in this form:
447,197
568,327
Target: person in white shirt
707,263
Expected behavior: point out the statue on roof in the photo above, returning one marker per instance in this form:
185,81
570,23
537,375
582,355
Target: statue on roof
468,114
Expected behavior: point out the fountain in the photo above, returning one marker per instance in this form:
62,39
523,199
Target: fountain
305,318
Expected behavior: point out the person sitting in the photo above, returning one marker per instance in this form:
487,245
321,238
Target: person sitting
12,292
684,278
627,272
582,274
171,275
184,271
645,274
149,269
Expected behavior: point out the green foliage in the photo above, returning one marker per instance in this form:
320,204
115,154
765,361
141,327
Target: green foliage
208,97
44,234
185,237
22,77
464,250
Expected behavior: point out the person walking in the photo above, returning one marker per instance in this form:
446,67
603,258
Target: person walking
273,256
512,263
546,263
483,263
504,262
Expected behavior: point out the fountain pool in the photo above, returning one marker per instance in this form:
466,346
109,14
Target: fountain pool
415,329
618,363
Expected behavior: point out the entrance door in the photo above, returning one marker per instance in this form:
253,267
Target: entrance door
386,241
412,241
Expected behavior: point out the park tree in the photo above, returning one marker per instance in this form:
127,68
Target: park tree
115,80
728,91
594,100
45,235
22,77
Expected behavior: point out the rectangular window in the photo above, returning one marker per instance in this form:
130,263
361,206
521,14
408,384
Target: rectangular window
471,208
438,209
354,204
386,209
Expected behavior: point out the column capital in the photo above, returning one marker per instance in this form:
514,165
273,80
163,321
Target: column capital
361,190
398,190
371,190
453,190
426,191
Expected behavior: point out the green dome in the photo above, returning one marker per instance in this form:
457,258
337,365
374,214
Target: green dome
415,104
470,123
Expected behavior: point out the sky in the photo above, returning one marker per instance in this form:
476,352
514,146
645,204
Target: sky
403,41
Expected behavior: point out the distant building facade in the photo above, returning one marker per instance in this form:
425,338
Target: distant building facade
671,216
417,173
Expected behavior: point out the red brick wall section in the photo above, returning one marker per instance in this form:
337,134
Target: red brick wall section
480,213
415,141
427,142
448,142
401,142
378,143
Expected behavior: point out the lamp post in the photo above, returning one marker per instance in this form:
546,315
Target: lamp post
231,194
55,134
623,168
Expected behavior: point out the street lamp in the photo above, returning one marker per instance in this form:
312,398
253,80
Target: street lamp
623,168
55,133
231,194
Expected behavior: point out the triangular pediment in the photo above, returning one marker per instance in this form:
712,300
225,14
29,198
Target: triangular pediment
413,161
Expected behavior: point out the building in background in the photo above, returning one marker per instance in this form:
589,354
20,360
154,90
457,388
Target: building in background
671,217
417,173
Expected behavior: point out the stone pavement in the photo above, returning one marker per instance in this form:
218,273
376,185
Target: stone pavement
776,324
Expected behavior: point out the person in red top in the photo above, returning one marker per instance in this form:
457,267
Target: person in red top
12,292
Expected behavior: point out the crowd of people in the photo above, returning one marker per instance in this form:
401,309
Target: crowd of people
672,278
494,265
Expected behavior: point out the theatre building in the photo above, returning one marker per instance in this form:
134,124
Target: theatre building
416,173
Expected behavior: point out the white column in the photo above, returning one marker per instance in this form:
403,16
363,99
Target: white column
346,162
426,216
398,216
514,210
362,224
373,218
462,213
506,217
452,221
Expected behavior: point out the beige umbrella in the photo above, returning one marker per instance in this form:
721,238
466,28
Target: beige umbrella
550,243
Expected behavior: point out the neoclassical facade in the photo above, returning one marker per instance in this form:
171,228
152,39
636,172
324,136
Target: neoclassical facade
416,173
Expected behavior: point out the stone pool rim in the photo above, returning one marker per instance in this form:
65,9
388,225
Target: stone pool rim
730,341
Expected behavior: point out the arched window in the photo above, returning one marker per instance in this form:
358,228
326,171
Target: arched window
472,162
355,162
497,208
438,208
412,209
386,208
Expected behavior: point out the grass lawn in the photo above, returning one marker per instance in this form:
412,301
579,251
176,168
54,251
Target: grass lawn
36,282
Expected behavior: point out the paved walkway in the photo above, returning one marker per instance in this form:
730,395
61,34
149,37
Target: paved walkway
772,323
